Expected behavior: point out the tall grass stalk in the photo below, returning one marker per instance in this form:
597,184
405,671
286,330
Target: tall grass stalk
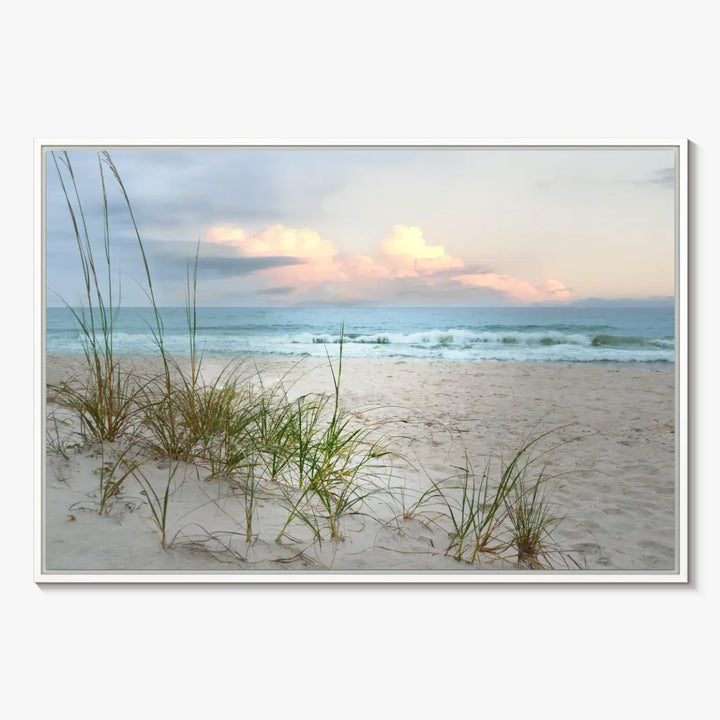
305,428
223,421
250,487
112,479
105,401
191,317
56,442
301,509
474,515
275,431
529,513
158,502
158,331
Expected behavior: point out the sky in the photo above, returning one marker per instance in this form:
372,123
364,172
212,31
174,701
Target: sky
408,226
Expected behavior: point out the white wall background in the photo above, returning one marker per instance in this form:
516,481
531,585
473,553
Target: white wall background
333,70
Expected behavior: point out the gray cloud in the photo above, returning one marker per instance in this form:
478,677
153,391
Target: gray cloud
663,178
171,265
469,269
172,260
284,290
180,192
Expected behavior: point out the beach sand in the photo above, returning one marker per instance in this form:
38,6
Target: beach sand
612,474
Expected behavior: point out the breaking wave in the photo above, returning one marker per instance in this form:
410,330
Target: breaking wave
587,340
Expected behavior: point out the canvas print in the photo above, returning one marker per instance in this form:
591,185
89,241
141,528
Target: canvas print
302,361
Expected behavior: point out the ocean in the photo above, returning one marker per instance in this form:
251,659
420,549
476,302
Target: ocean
643,336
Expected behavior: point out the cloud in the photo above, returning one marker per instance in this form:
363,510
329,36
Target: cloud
173,259
235,266
274,240
664,178
286,290
406,254
314,256
557,289
403,253
310,267
517,289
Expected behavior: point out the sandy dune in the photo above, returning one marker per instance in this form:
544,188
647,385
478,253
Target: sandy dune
612,475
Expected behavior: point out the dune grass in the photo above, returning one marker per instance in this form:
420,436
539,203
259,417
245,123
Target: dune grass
275,426
56,441
531,519
157,501
105,399
336,462
490,514
112,472
184,421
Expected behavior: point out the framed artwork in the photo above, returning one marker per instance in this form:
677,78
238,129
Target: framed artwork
297,361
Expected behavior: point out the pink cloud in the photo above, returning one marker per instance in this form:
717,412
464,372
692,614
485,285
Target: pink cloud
404,253
557,289
518,289
274,240
225,235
